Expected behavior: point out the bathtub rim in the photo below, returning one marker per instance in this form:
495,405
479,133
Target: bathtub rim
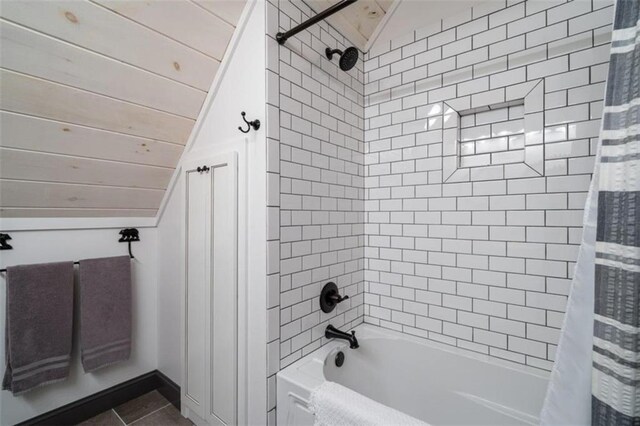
308,371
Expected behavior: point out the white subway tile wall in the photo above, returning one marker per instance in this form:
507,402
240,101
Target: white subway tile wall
355,185
315,187
484,262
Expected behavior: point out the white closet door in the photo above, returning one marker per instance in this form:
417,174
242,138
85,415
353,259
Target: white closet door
198,223
224,297
211,299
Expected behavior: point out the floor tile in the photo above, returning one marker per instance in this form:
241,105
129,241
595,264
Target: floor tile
141,406
108,418
165,417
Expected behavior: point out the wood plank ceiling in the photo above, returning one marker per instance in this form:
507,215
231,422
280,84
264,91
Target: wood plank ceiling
98,99
357,22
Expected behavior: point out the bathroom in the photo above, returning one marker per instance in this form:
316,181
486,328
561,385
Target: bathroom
320,211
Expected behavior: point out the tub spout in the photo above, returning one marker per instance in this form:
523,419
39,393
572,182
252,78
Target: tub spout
333,333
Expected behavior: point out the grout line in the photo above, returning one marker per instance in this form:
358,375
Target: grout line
147,415
118,416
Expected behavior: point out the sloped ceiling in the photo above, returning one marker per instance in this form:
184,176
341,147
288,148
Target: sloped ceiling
98,99
358,21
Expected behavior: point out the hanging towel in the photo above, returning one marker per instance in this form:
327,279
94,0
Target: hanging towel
105,311
39,325
336,405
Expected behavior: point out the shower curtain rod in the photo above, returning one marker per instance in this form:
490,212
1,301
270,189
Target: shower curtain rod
282,37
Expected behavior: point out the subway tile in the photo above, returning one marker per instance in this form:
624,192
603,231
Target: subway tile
441,38
567,11
472,57
507,15
589,57
526,25
547,268
514,44
506,326
490,338
414,48
549,67
527,346
488,37
527,56
508,78
546,34
591,20
527,314
471,28
570,44
566,115
492,248
460,46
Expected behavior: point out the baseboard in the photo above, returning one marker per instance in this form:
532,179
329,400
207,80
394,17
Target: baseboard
92,405
169,389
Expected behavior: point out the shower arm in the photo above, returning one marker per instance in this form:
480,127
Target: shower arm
282,37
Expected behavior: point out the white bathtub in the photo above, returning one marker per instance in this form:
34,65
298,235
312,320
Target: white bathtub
436,383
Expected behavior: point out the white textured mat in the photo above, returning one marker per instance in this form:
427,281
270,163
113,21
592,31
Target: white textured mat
336,405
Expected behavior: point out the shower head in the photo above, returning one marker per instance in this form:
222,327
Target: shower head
348,58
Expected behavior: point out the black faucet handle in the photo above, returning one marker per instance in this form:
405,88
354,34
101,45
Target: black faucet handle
330,297
336,298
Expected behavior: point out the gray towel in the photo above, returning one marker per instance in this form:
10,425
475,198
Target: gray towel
105,311
39,325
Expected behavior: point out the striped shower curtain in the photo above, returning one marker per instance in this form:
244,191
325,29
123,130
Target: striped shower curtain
615,381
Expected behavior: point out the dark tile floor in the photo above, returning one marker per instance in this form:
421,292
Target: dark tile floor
146,410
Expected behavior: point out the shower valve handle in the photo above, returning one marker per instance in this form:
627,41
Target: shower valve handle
330,297
336,298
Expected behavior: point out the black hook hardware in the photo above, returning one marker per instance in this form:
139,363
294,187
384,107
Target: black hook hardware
128,236
203,169
329,297
255,124
3,242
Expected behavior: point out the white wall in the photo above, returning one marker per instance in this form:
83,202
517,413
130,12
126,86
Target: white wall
416,14
159,266
241,88
483,258
321,192
63,245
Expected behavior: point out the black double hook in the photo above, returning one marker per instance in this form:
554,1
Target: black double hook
202,169
255,124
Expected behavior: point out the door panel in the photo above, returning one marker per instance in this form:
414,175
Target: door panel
224,297
211,299
197,283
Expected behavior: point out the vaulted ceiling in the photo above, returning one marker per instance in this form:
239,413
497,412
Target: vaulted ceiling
98,99
358,21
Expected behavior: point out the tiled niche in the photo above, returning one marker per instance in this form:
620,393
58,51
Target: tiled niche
482,134
494,135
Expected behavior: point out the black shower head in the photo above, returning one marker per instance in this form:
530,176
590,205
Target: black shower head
348,58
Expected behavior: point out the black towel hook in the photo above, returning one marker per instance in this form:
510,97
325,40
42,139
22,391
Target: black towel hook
3,242
255,124
128,236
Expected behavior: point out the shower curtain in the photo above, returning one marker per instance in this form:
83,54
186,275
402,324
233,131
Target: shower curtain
596,376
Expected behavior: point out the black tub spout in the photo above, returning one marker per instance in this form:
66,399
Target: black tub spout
333,333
